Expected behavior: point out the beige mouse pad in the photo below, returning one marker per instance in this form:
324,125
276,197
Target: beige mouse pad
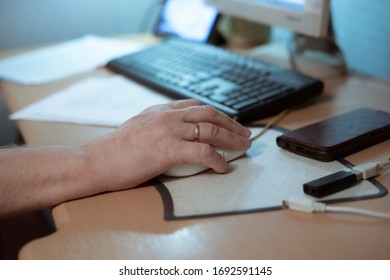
259,181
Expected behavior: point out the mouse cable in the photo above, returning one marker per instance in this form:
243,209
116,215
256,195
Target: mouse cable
273,121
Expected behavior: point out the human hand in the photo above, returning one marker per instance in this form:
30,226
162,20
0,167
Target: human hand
164,136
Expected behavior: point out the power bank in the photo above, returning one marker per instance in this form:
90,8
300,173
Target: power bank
338,136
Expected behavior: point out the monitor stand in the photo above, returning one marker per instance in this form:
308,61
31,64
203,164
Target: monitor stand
317,57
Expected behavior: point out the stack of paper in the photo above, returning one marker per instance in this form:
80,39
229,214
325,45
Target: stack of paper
63,60
96,101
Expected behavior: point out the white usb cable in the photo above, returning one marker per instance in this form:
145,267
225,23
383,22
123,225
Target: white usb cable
311,206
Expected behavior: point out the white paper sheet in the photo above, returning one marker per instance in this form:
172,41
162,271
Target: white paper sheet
95,101
63,60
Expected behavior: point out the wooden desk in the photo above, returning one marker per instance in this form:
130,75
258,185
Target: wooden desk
130,225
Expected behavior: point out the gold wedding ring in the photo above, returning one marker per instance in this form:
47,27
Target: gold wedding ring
197,132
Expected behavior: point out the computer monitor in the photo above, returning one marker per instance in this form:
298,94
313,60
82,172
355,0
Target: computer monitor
306,17
187,19
313,47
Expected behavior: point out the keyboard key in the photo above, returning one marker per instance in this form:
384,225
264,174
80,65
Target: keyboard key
245,103
219,98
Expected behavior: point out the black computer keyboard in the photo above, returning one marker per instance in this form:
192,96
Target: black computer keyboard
238,85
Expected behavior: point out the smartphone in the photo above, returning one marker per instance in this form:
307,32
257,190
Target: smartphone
338,136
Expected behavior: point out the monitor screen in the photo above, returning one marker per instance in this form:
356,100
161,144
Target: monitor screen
307,17
188,19
295,5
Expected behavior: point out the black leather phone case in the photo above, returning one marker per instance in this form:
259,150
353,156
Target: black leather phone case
339,136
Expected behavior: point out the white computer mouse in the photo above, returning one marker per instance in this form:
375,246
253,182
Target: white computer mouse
189,169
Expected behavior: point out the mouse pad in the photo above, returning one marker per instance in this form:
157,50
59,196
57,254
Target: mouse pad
259,181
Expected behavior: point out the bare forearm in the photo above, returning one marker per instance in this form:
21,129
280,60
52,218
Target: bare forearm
37,177
143,147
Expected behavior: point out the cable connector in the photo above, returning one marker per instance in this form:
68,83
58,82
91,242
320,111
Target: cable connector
369,169
304,205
